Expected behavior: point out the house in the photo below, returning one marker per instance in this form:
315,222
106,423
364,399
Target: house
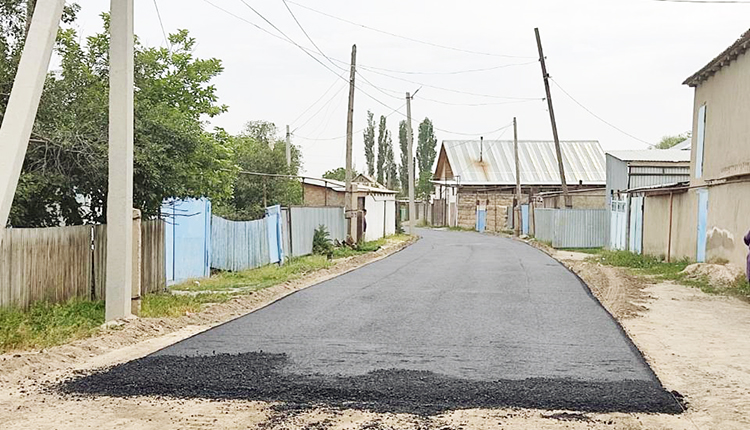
706,219
475,179
379,202
628,170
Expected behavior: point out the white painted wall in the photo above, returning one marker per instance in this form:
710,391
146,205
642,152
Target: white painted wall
381,216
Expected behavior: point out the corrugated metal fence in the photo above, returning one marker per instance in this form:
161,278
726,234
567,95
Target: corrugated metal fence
60,263
304,221
571,228
238,245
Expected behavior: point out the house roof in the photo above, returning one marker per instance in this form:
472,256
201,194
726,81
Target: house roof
685,145
654,155
583,161
340,186
364,179
724,59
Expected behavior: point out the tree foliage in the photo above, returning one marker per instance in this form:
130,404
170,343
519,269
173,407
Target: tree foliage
403,143
337,174
370,144
426,153
384,136
667,142
64,176
258,149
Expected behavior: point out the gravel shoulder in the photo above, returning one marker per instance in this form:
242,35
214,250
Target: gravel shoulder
696,343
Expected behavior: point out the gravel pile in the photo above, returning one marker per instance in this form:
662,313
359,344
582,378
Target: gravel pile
261,376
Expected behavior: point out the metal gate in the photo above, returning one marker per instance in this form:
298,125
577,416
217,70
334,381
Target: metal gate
618,230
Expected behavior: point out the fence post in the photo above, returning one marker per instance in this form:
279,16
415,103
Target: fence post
135,301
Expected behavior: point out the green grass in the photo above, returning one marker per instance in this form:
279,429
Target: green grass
168,305
661,270
44,325
256,279
592,251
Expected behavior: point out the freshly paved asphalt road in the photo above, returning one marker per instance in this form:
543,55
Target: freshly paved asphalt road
457,311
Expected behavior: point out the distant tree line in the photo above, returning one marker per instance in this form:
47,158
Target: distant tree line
382,165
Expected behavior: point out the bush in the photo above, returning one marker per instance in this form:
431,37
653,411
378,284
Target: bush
322,241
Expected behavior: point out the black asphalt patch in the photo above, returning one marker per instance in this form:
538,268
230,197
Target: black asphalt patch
457,320
262,376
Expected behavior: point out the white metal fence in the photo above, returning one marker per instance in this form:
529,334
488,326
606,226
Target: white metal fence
304,221
571,228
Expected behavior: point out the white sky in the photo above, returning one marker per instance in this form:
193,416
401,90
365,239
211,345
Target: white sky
625,60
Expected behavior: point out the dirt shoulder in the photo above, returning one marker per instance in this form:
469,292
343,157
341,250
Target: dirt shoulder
695,342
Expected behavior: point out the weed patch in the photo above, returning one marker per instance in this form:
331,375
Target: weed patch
44,324
168,305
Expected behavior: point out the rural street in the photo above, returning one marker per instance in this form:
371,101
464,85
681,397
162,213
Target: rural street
456,320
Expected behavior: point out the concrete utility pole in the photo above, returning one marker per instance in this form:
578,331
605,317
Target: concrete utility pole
288,147
23,103
410,162
517,209
120,194
545,75
349,197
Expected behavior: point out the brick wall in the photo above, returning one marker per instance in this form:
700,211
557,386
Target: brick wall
316,196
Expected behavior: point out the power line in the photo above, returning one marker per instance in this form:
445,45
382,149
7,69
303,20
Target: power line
481,104
492,96
308,36
161,24
451,48
321,108
597,116
316,101
454,72
706,1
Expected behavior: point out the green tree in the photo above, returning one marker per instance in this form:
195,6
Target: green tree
383,137
403,146
391,169
426,153
337,174
370,144
64,176
667,142
258,149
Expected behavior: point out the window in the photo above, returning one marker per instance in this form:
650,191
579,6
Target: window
701,139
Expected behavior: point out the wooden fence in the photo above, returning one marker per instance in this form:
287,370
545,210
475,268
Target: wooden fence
60,263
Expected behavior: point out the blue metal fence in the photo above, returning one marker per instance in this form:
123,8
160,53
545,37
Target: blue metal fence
187,239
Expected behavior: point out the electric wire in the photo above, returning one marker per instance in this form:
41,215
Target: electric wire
597,116
161,24
453,72
316,101
411,39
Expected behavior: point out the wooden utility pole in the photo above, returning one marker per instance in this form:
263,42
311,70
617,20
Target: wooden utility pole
410,163
545,75
517,209
349,197
288,147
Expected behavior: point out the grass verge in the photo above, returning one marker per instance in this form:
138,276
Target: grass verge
365,247
592,251
662,271
256,279
44,324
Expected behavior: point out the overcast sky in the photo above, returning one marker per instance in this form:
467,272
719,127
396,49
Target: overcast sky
625,60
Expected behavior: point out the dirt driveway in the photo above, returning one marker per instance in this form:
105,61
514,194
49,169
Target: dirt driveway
697,344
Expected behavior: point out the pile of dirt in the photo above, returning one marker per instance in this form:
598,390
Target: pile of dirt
718,275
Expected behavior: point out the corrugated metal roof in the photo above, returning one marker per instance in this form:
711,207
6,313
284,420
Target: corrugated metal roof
340,186
685,145
665,155
583,161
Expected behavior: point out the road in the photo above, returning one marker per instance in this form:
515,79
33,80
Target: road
456,320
